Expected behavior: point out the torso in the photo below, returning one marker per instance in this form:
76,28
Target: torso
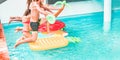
34,12
26,23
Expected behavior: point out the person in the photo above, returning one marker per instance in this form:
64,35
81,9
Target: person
34,16
25,29
25,19
45,7
35,10
49,7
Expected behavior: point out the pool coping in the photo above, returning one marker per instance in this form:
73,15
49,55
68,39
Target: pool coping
4,54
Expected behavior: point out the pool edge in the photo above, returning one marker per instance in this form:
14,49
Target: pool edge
4,54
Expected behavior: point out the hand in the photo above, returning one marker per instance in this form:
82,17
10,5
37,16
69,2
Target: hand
10,20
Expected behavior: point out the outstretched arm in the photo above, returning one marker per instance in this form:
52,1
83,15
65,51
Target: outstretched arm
14,19
47,8
41,10
59,11
51,7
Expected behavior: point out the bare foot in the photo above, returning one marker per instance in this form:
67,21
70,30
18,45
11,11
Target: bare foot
15,45
18,42
9,21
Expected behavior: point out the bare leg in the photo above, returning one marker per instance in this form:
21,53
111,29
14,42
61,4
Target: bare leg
21,38
26,40
17,29
26,34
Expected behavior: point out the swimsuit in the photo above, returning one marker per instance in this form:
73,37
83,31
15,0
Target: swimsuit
34,26
27,22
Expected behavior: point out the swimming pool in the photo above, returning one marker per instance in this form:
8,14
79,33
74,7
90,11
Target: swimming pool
94,45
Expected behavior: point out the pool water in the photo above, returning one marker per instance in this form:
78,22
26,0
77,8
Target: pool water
94,45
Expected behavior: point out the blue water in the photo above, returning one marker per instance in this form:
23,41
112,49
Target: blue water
114,3
94,45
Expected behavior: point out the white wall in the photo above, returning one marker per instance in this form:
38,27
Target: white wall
17,7
12,8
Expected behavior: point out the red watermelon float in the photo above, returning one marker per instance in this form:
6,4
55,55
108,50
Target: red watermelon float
53,27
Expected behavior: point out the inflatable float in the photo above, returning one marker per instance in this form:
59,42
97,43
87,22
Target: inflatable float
48,43
56,41
56,37
58,25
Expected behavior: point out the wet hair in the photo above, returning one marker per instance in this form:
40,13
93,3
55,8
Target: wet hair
27,11
35,0
28,3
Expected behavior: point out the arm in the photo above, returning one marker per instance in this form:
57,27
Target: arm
41,10
48,9
15,19
59,11
52,7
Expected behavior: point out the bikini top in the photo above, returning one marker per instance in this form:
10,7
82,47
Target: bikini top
28,21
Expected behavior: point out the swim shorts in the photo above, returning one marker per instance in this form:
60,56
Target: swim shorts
34,26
